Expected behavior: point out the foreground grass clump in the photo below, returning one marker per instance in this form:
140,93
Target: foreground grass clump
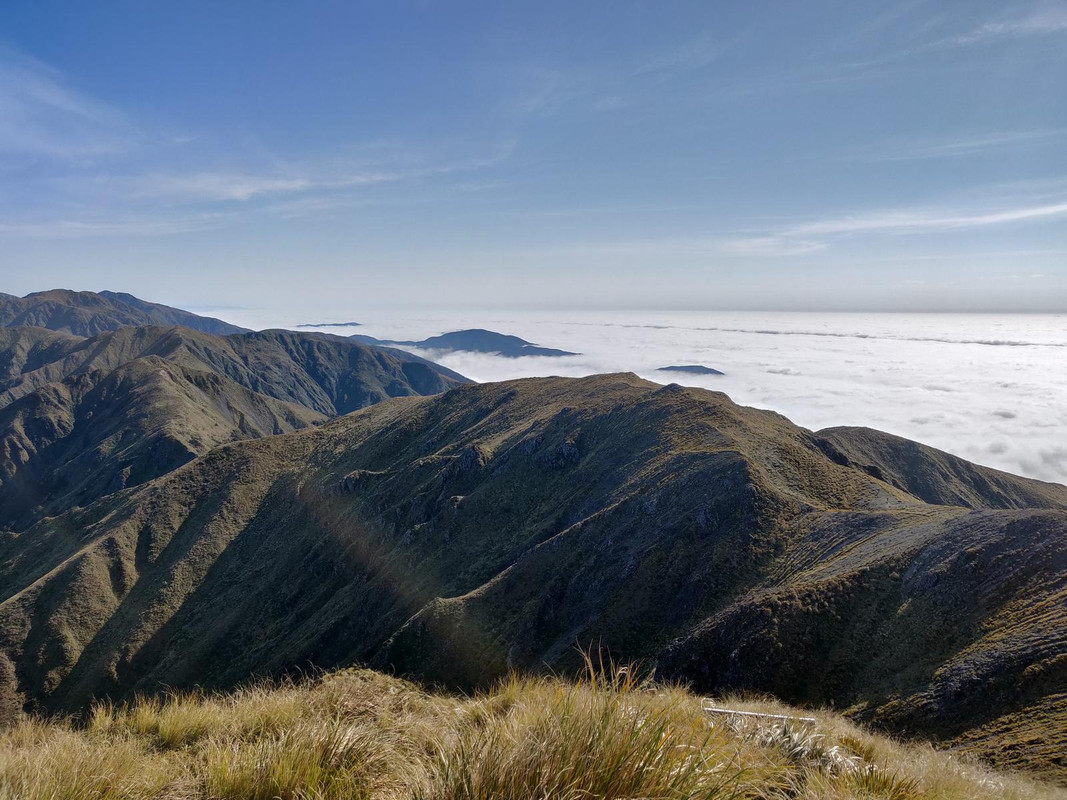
600,738
360,734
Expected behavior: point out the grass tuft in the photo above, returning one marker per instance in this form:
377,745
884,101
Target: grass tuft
358,734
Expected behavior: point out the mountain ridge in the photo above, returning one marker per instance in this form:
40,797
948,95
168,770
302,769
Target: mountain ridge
90,313
80,418
493,527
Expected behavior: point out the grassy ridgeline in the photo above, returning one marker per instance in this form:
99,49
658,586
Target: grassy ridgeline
360,734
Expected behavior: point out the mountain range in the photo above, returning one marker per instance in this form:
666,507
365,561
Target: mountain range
83,417
186,509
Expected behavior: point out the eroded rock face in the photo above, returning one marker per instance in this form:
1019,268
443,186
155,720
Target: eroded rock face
358,479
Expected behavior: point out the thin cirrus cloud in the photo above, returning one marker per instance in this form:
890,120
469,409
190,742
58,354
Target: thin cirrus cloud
770,246
42,116
684,57
326,177
223,187
810,236
957,147
550,90
931,220
1048,19
166,203
84,168
113,226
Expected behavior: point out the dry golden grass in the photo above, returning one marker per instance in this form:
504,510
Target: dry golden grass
359,734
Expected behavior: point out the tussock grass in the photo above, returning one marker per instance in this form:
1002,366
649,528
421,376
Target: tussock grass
359,734
175,720
327,761
599,737
52,761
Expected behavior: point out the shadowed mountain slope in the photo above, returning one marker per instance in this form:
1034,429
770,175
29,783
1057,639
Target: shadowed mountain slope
496,526
80,418
90,313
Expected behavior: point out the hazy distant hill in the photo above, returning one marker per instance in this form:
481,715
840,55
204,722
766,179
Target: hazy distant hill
474,340
496,526
80,418
90,313
691,369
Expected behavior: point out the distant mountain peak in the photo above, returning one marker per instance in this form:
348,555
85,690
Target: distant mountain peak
475,340
692,369
86,314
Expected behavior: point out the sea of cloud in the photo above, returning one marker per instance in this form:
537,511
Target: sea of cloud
989,387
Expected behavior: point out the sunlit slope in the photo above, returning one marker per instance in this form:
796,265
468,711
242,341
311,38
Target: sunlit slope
327,374
68,443
80,418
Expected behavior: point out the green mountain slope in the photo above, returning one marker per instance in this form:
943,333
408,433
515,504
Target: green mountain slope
90,313
80,418
328,374
69,443
495,527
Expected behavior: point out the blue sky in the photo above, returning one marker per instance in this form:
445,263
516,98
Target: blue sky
847,155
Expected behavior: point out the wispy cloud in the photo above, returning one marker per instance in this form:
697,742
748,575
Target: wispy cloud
915,221
801,238
650,250
683,57
770,246
327,176
42,115
545,91
548,90
1049,19
119,226
77,167
957,147
210,187
151,203
814,235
